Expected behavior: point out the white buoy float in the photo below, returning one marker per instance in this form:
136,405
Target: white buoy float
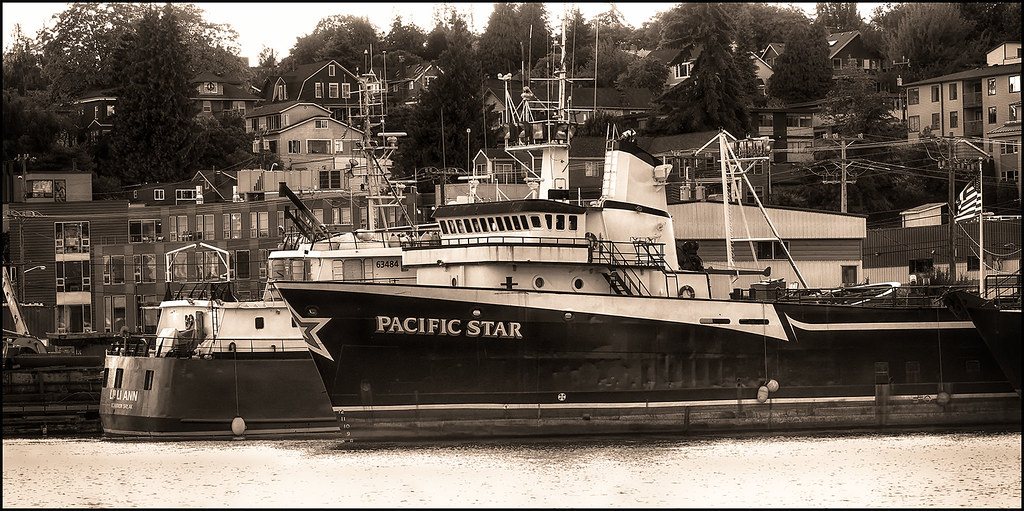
762,394
773,385
238,426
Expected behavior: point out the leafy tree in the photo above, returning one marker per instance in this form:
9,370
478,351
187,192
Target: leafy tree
221,141
996,22
212,47
21,68
77,48
759,24
342,37
612,62
719,91
500,51
936,39
266,67
644,73
153,129
854,106
32,126
838,16
405,37
803,71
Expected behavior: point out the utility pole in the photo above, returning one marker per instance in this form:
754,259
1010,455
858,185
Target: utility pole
951,206
844,170
842,194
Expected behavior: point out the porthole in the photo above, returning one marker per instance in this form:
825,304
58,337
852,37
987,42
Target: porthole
455,282
577,283
312,311
538,282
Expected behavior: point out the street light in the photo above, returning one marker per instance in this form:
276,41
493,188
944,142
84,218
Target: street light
21,280
468,130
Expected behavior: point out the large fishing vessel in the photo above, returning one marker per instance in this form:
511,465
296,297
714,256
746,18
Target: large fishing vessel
218,367
543,316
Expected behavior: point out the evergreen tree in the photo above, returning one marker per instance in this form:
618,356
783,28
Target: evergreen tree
838,16
21,69
455,98
803,71
534,31
720,89
153,130
500,51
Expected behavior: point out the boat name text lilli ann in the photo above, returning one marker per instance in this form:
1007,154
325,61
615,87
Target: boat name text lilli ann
449,327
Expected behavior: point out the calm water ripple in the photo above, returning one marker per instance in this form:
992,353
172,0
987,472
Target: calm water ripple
866,470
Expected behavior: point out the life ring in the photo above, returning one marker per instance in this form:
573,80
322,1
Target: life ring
686,292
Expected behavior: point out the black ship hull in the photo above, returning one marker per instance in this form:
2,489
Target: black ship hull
999,328
417,361
273,395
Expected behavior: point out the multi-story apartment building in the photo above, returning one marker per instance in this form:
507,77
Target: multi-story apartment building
980,105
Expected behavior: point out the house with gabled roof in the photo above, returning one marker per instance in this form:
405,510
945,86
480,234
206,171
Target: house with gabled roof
412,81
215,93
325,83
299,133
771,53
847,51
95,112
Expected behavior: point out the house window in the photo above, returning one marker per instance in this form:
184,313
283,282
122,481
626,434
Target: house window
207,106
935,93
113,269
318,89
204,227
320,124
771,250
273,122
158,194
936,119
242,264
39,188
77,319
798,121
991,115
1015,83
318,146
1010,175
293,146
332,90
110,110
232,226
590,168
991,86
914,123
849,274
330,70
954,119
345,217
837,63
346,90
920,265
71,237
1012,113
339,146
765,120
330,179
952,92
913,96
115,313
280,92
504,174
682,70
185,195
259,224
144,231
73,276
1009,147
145,268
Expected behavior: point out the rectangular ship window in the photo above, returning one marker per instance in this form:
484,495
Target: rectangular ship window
913,371
118,377
149,380
259,323
106,376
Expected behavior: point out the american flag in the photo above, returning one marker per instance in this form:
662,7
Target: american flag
969,203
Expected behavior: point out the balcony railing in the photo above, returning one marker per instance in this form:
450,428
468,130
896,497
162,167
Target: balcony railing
973,128
972,99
